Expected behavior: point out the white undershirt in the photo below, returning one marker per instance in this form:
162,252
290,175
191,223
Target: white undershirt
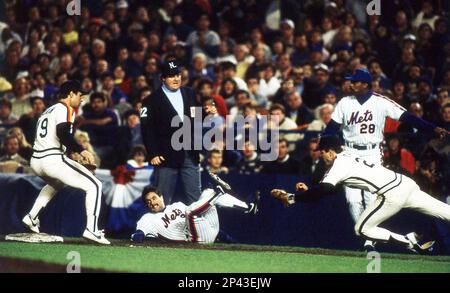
176,99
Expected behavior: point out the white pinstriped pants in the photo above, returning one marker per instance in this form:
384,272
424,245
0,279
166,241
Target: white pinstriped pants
202,219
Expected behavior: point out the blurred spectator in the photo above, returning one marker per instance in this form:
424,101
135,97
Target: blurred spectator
25,148
316,88
205,89
426,15
83,139
228,89
445,116
278,118
204,40
20,100
199,68
11,148
433,104
268,83
428,175
242,59
284,164
101,124
296,110
138,158
250,162
6,116
323,116
28,122
253,90
229,71
129,134
311,165
397,158
215,162
287,88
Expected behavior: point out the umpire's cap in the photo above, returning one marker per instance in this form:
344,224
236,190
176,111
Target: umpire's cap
170,68
70,86
328,142
362,75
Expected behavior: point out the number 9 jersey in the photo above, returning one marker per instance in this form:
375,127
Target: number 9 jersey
47,141
364,123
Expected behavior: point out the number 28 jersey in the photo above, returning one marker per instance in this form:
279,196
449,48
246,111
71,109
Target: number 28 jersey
364,123
47,141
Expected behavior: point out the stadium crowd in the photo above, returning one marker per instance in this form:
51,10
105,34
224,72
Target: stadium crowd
285,58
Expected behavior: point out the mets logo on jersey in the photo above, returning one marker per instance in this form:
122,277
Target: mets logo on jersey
355,118
172,216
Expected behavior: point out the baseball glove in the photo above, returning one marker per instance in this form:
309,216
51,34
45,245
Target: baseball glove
83,161
287,199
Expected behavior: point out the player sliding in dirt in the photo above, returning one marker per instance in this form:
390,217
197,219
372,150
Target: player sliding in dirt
394,192
197,222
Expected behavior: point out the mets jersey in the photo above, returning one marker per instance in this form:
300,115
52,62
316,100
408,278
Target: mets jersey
364,123
47,141
169,224
353,171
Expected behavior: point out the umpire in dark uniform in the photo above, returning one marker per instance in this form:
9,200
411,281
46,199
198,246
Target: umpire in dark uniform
171,101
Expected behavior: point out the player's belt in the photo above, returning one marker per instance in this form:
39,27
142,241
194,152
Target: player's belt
361,147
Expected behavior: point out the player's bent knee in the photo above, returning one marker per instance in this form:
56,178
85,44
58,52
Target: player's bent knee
357,231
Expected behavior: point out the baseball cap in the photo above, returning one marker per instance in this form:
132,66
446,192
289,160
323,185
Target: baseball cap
329,142
170,68
362,75
122,4
322,67
288,22
409,37
70,86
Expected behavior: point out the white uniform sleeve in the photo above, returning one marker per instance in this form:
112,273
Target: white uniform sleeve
338,113
146,225
392,109
337,173
63,114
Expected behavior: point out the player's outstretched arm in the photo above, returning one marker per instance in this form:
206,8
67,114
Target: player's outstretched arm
423,125
304,194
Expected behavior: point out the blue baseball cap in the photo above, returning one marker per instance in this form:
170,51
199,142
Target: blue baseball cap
362,75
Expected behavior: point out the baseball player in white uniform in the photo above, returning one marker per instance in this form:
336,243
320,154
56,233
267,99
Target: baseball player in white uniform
54,135
197,222
362,118
393,191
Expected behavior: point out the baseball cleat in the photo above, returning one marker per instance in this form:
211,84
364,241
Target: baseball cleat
33,225
253,207
369,246
415,247
98,237
225,186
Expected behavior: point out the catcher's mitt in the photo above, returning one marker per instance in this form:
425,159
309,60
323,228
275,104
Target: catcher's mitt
83,161
286,198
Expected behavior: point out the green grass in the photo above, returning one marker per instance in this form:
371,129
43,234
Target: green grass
218,258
